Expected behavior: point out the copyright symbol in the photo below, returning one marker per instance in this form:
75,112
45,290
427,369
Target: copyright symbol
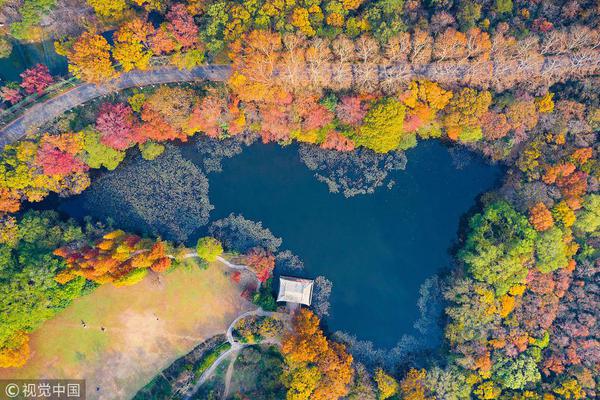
12,390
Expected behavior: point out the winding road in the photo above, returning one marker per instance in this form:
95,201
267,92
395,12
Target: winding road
44,112
235,348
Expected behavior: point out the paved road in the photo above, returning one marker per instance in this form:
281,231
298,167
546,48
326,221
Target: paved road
44,112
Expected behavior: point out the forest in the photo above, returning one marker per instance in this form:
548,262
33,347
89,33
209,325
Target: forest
515,81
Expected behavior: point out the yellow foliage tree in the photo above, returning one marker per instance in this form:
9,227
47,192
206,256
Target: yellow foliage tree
131,45
89,59
109,8
387,386
17,352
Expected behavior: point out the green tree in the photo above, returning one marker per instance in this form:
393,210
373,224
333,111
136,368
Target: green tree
588,219
209,248
498,246
516,373
98,155
503,6
29,294
550,250
151,150
468,14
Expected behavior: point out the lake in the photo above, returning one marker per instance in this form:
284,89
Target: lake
377,249
26,55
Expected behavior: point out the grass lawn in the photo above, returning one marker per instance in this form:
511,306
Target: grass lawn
146,327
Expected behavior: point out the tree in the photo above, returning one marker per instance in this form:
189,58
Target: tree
317,368
499,245
350,110
503,6
116,258
387,386
89,59
57,155
382,129
28,293
209,248
151,150
413,385
540,217
172,106
551,250
108,8
132,44
115,122
262,263
588,219
17,353
182,27
11,94
97,154
306,342
464,113
36,79
516,373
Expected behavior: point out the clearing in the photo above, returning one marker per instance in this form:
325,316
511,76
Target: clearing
133,333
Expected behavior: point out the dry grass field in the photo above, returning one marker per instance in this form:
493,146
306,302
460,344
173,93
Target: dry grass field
132,333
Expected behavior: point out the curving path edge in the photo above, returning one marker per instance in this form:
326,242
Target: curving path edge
44,112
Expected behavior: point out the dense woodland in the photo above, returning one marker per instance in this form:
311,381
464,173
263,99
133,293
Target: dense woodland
516,81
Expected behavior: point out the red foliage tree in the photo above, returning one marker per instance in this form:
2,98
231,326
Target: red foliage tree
262,262
115,123
181,25
57,155
12,95
36,79
350,110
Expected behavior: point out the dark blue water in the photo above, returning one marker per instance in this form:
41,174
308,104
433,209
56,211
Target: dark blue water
376,249
26,55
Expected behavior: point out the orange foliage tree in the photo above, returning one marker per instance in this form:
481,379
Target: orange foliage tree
540,217
413,385
262,263
317,368
118,257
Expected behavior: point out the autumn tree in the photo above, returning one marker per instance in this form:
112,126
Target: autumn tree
115,122
317,368
382,128
119,258
540,217
89,58
463,117
132,44
109,8
387,386
57,155
261,262
413,385
36,79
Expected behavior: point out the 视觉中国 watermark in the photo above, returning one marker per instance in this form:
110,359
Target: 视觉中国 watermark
49,389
